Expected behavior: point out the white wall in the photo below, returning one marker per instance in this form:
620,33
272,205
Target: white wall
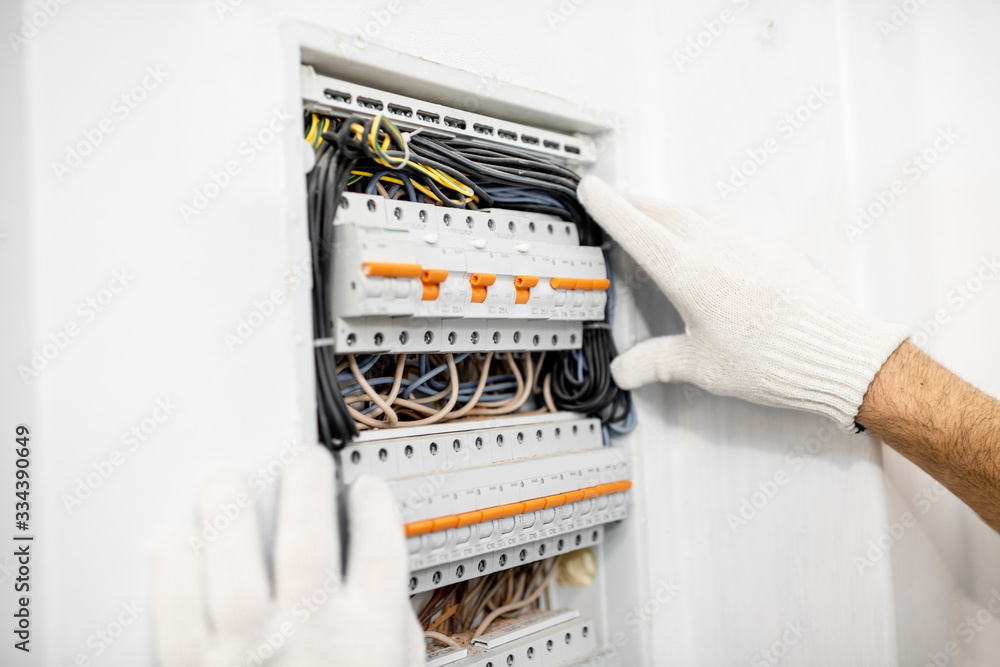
162,336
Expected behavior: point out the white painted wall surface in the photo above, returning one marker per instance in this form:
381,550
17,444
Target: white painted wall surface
685,128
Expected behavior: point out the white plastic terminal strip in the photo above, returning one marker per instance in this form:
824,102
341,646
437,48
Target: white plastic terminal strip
410,277
561,645
404,452
525,626
329,94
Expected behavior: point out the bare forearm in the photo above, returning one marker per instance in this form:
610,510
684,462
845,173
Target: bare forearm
941,423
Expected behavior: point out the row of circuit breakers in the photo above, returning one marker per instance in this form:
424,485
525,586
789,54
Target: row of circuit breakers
477,496
410,277
481,497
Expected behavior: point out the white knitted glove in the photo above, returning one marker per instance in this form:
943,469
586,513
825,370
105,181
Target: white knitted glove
762,323
213,603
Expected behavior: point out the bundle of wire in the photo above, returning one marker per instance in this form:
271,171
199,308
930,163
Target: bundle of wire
371,155
456,615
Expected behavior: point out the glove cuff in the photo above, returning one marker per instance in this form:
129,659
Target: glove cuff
826,358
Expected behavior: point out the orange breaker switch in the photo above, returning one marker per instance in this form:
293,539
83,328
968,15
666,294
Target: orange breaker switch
431,280
563,283
513,509
391,270
479,282
522,287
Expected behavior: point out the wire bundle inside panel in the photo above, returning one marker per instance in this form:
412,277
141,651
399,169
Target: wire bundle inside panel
468,609
373,156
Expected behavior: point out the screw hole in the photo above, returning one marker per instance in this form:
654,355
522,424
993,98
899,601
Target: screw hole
520,437
378,340
423,217
531,226
523,555
490,224
511,226
355,457
470,222
428,337
499,440
413,583
593,536
538,434
351,339
551,229
398,212
517,336
436,578
502,560
452,338
433,449
460,571
457,445
383,455
371,207
555,339
408,452
535,340
496,337
558,432
474,337
479,443
447,219
482,566
403,337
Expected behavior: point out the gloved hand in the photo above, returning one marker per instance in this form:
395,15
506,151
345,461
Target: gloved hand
762,323
214,605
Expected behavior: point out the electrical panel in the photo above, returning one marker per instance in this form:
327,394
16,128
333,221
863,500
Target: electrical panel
450,245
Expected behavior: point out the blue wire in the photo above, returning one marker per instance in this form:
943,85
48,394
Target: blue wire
630,423
377,176
427,376
364,365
